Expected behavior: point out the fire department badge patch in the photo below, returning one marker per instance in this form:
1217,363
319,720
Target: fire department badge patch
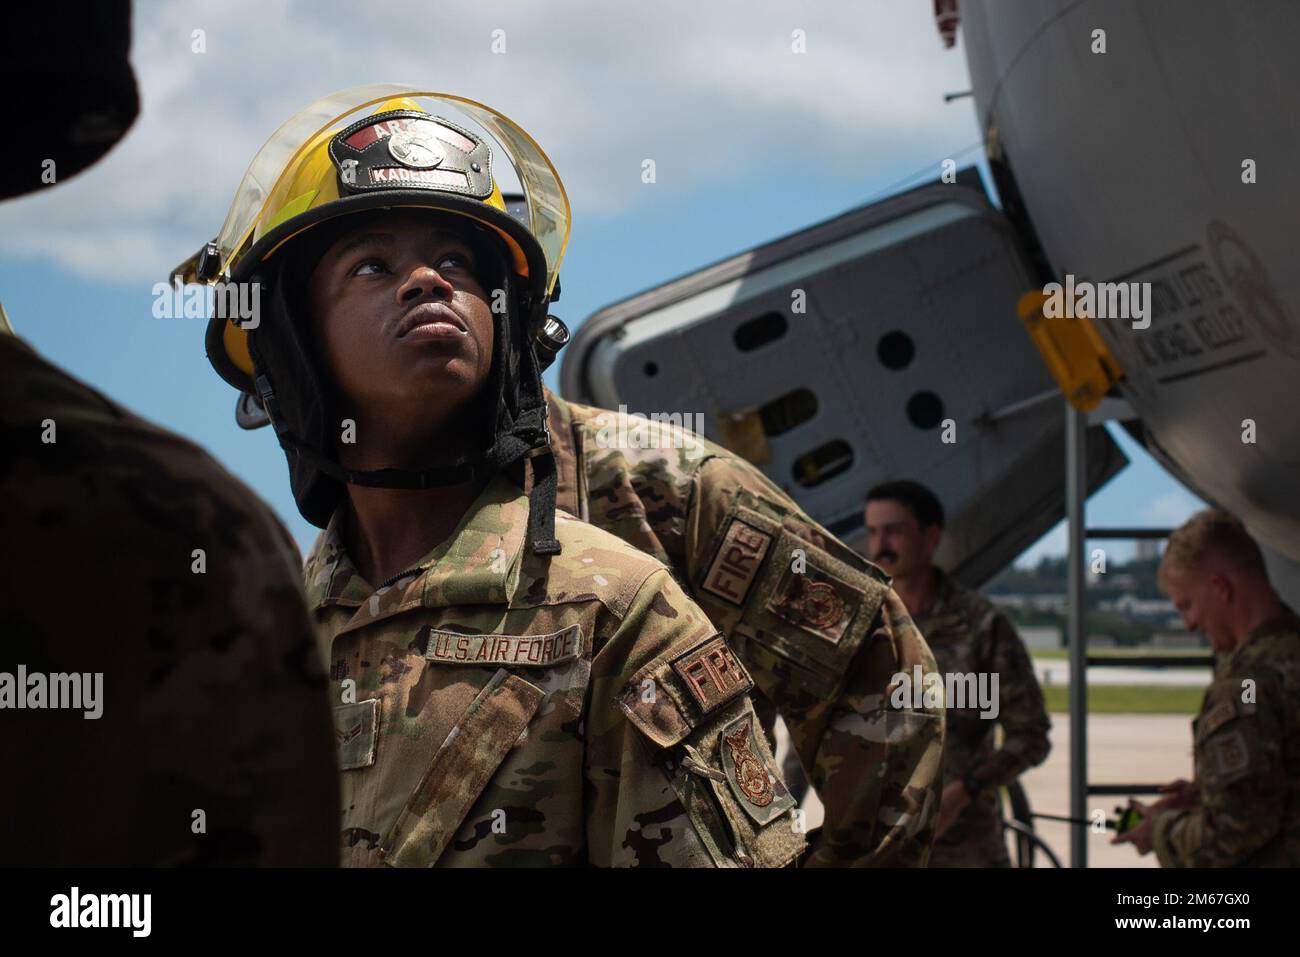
759,791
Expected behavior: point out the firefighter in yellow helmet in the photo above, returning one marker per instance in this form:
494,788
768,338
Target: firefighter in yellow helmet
393,156
510,686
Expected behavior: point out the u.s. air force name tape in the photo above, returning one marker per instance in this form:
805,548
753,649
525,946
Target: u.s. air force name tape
454,648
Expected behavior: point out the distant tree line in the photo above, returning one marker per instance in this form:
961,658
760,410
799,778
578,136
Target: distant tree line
1136,578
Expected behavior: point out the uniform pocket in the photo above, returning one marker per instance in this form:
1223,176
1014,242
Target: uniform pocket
462,767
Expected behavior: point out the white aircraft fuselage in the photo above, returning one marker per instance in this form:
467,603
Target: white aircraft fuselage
1168,160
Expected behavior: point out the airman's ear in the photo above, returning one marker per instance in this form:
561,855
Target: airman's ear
1221,586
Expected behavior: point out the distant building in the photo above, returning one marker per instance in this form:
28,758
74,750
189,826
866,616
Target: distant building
1147,549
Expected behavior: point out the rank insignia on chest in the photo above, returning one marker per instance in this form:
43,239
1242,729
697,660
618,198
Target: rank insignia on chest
712,674
734,567
758,790
356,732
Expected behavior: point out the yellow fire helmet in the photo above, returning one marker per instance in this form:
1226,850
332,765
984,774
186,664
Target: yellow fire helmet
366,150
374,146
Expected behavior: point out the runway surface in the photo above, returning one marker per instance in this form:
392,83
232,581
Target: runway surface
1128,749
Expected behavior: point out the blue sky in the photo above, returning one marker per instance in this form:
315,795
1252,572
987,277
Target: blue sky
730,115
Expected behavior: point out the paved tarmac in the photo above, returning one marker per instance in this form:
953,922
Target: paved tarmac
1057,672
1128,749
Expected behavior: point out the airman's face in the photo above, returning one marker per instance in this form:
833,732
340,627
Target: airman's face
1201,598
402,318
895,541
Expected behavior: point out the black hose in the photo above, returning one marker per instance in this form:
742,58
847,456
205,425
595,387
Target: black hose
1027,833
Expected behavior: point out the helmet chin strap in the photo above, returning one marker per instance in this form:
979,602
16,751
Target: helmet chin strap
541,505
533,443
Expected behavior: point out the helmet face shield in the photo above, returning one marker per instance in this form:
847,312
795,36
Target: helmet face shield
262,201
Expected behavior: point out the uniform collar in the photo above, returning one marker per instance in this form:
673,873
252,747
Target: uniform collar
478,564
1284,620
945,595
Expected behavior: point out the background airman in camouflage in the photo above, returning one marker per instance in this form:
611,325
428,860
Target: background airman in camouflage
818,627
517,688
1243,807
969,636
136,556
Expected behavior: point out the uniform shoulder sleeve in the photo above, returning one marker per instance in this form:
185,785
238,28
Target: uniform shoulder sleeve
682,773
823,635
773,579
1241,780
636,477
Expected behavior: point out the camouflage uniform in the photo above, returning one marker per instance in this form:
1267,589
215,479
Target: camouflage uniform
817,626
1247,747
970,636
497,708
213,694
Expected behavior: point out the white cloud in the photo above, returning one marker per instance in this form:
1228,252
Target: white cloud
710,91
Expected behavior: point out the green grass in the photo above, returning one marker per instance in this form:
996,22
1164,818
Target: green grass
1062,654
1130,699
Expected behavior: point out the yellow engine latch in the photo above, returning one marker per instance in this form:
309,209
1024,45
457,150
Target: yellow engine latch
1080,362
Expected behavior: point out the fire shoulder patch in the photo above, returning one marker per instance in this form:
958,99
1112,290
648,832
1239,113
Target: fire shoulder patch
712,674
735,565
670,696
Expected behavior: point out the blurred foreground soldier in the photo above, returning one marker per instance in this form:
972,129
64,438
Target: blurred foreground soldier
1243,807
512,687
984,662
161,697
818,628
